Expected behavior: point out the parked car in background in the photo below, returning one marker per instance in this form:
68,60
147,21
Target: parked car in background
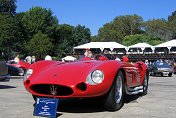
160,68
23,66
4,76
14,71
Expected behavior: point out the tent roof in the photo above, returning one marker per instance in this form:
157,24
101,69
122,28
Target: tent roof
140,45
100,45
171,43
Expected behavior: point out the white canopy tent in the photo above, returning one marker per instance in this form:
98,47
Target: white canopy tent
140,48
169,45
101,46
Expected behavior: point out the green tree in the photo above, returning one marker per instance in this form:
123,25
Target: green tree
109,32
20,41
129,24
63,43
8,6
81,35
133,39
95,38
141,38
39,19
157,27
40,45
7,35
154,39
172,24
120,27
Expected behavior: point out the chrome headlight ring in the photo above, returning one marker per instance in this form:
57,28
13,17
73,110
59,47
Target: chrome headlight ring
28,73
95,77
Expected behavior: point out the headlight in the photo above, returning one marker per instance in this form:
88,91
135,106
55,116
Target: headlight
28,73
95,77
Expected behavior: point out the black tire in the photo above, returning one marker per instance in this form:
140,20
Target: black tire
22,71
145,84
113,100
153,73
170,74
162,74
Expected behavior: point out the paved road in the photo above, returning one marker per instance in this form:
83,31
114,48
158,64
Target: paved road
16,102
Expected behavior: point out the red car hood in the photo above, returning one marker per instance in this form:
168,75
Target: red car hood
68,74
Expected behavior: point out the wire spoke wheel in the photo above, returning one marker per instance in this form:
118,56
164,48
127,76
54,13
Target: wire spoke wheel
119,89
22,71
113,100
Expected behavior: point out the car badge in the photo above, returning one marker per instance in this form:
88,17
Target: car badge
55,75
53,89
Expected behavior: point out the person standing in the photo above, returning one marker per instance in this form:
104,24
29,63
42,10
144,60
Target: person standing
33,59
16,59
106,54
28,59
125,58
48,57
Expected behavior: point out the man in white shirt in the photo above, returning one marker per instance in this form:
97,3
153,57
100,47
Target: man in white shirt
48,57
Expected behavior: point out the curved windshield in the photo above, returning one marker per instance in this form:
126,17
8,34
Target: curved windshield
161,64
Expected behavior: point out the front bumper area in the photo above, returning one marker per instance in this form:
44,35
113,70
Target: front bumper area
163,72
80,90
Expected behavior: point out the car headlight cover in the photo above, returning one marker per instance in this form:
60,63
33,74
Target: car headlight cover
95,77
28,73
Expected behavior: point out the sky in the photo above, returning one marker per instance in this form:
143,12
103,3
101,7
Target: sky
93,14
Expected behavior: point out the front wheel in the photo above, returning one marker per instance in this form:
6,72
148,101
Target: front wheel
145,84
170,74
22,71
113,100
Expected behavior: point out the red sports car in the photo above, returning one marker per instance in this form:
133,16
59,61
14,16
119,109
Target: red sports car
23,66
89,78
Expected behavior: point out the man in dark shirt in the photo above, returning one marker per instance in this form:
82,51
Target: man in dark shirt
106,54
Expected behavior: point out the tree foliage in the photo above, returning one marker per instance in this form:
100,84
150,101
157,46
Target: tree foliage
63,42
40,45
7,34
133,39
128,24
109,32
158,27
20,39
81,35
140,38
120,27
8,6
172,24
39,19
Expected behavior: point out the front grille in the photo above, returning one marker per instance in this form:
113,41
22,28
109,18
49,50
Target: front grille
46,89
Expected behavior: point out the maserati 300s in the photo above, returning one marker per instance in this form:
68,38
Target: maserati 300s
110,80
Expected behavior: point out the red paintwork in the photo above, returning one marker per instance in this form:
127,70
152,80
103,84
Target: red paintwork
71,73
86,58
103,58
20,64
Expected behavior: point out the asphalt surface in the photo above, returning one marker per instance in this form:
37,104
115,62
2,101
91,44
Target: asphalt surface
16,102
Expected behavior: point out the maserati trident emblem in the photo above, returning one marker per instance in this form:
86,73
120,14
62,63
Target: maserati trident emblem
53,89
55,75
